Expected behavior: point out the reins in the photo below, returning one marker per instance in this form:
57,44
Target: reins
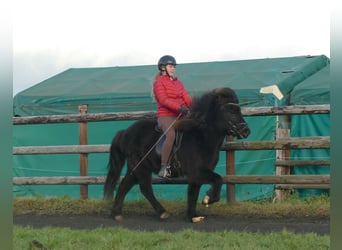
155,144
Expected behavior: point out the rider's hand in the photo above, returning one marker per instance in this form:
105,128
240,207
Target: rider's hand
184,110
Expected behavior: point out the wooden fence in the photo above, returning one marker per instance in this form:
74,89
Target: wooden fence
283,144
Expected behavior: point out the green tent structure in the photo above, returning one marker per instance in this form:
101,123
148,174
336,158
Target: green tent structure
260,82
313,90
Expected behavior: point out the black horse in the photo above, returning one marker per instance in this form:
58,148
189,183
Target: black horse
214,115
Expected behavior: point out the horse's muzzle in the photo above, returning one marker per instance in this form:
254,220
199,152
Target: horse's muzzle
242,131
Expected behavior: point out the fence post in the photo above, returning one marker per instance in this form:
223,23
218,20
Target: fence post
282,131
230,170
83,139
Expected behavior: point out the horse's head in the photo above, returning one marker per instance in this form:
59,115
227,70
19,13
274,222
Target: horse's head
237,125
218,109
232,118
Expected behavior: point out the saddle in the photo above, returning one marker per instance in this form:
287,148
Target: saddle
174,163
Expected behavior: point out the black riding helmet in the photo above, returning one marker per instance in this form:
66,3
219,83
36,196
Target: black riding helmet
164,60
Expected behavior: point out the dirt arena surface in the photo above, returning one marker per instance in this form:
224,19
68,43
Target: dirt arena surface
150,222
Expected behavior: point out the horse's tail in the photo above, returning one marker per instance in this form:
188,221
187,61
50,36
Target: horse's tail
117,160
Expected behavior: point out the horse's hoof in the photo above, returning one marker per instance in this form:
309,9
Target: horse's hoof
164,215
205,200
118,217
197,219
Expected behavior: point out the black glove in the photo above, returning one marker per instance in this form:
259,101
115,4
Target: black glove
184,110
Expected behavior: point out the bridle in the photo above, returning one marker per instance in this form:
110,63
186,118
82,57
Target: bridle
233,128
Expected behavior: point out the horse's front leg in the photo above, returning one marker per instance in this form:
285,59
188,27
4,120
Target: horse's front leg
214,193
147,191
193,192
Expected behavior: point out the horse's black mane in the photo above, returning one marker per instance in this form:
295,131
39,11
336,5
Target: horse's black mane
202,106
205,109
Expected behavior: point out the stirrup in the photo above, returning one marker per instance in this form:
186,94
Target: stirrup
165,171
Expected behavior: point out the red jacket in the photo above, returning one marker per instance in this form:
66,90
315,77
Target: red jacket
170,95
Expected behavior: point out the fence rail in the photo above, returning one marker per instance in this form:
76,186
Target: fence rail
294,143
124,116
228,179
284,181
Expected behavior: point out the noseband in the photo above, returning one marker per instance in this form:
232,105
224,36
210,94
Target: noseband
232,104
236,129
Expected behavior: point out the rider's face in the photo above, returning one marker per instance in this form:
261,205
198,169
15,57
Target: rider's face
170,68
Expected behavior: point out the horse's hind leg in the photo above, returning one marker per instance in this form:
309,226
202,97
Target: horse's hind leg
125,186
145,183
109,186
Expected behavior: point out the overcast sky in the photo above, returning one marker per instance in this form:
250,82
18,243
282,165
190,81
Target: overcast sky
52,36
